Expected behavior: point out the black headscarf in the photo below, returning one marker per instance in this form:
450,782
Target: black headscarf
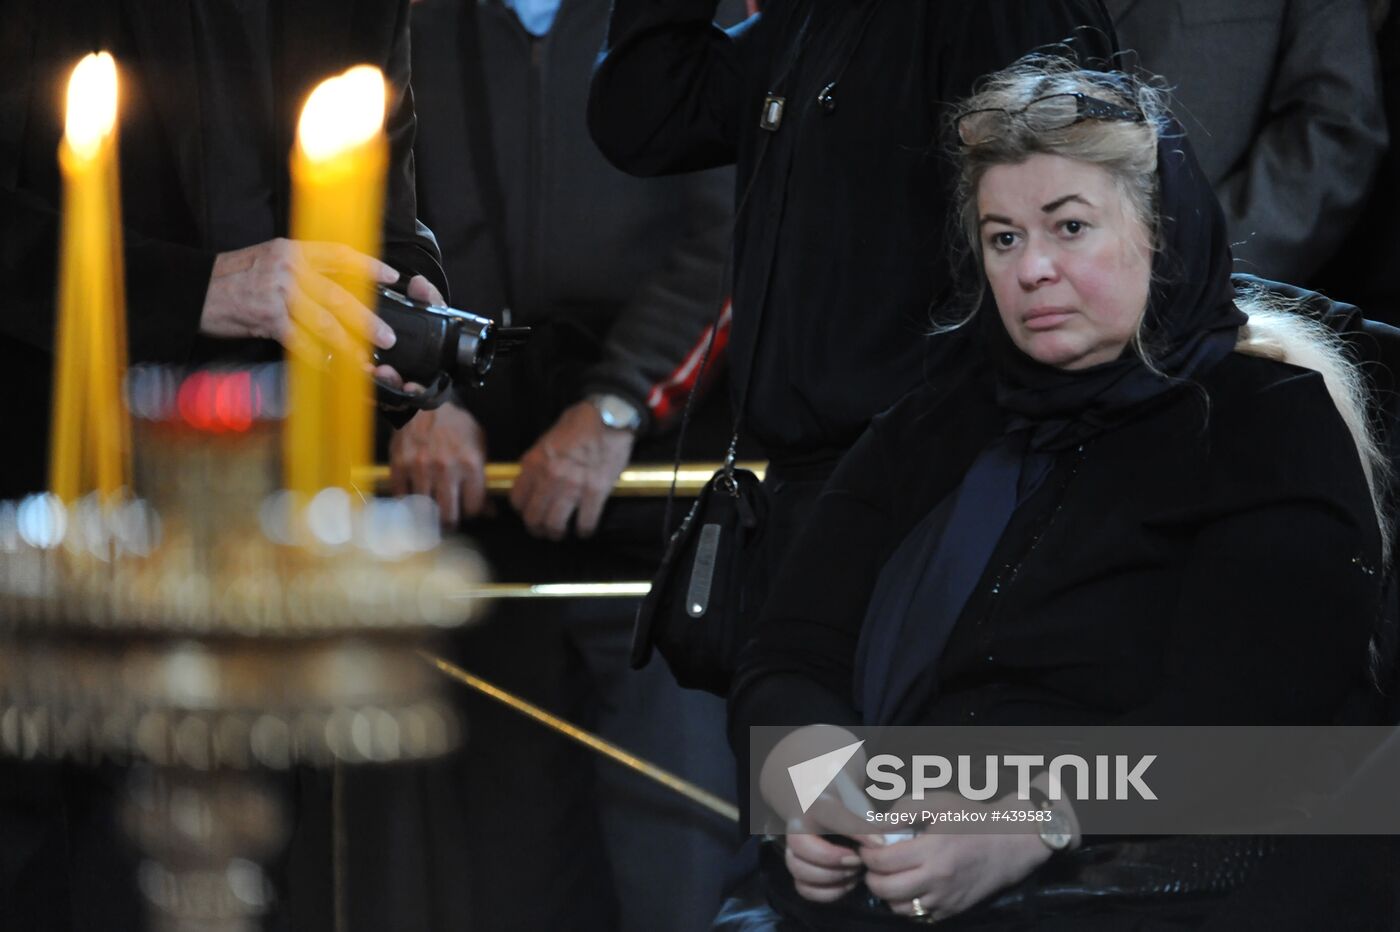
1191,323
1191,320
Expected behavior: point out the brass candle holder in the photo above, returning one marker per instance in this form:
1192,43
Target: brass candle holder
214,628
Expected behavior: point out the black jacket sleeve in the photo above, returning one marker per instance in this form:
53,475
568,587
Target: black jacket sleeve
409,245
660,335
669,88
667,93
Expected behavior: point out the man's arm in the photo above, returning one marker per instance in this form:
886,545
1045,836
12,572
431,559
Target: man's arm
1305,179
574,465
665,321
663,325
175,292
667,93
408,244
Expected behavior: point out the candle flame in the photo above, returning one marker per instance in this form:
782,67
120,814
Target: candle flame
342,112
92,103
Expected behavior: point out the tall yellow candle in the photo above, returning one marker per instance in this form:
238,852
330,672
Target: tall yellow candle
338,173
90,446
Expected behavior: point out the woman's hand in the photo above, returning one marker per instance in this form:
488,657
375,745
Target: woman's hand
949,873
952,872
822,870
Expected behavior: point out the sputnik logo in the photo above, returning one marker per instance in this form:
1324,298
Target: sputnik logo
811,777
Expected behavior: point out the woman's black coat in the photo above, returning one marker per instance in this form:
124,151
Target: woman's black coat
1214,560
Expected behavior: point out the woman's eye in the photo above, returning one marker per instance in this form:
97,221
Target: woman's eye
1073,227
1003,240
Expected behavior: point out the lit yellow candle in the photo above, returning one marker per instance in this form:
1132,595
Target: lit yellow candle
338,173
90,444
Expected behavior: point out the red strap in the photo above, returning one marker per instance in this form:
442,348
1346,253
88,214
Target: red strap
667,397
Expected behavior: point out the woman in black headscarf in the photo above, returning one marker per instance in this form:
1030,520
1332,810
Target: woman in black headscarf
1141,501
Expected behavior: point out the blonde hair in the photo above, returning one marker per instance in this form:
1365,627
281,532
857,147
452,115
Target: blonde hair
1280,329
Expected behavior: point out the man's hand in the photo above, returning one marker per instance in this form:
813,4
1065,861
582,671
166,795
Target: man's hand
252,290
441,453
419,289
573,466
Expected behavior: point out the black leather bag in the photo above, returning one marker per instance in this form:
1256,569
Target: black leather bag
694,615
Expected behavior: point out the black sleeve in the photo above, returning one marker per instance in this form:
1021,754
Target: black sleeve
409,245
664,325
667,92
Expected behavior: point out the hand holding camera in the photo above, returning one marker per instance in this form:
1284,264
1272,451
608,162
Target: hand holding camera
434,340
251,291
418,340
419,288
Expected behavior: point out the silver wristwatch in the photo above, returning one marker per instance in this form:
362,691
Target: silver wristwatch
616,412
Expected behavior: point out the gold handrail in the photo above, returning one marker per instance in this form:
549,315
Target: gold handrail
639,481
642,481
560,590
667,779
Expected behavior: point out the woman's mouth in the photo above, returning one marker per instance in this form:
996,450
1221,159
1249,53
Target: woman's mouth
1045,318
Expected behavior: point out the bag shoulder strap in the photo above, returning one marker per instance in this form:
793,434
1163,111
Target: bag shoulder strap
782,73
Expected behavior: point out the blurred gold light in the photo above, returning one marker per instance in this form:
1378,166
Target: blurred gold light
92,103
342,112
338,172
90,436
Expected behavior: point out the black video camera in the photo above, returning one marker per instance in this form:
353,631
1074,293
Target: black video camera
436,342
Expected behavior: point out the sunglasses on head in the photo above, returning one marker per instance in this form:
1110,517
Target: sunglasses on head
1051,112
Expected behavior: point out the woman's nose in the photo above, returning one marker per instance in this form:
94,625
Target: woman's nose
1037,267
